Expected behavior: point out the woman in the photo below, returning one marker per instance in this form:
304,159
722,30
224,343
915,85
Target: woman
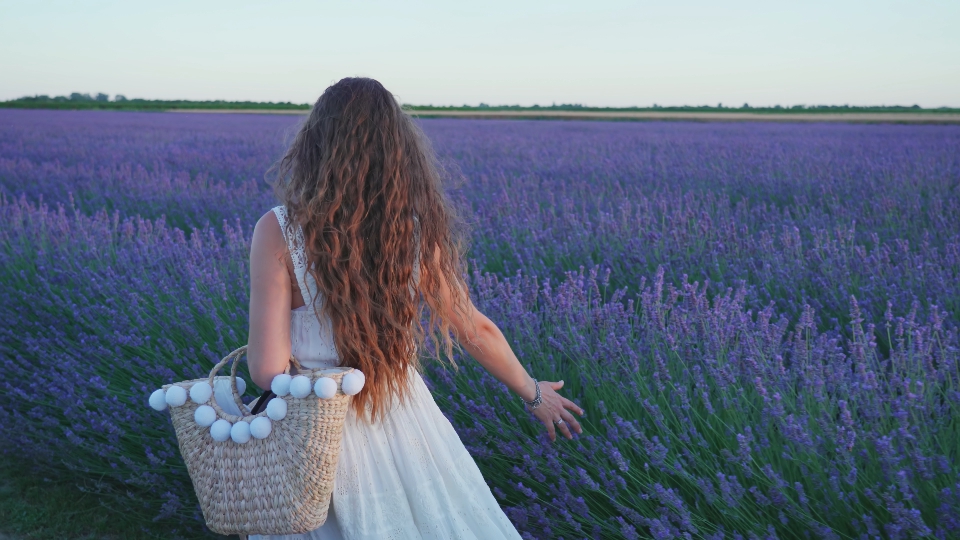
336,279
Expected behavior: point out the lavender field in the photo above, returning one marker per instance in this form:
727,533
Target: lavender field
761,320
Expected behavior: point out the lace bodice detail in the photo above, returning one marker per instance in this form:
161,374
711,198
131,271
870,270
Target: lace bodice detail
295,243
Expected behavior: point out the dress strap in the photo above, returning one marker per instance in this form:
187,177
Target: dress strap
295,244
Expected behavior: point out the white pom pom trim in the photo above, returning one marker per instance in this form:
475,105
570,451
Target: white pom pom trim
220,430
352,383
176,396
325,387
205,416
276,408
300,386
241,385
200,392
158,400
240,432
281,384
260,427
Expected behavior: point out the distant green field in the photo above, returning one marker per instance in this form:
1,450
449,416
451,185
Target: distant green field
85,102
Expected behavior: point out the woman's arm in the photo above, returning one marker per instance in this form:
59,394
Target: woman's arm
268,342
490,348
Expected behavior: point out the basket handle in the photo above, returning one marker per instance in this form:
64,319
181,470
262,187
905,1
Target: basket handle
235,356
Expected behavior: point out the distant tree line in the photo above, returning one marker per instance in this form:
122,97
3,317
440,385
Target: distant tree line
688,108
78,100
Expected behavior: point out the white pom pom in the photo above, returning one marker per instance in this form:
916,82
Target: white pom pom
220,430
241,386
276,408
158,400
201,392
205,415
325,387
260,427
300,386
176,396
352,383
240,432
281,384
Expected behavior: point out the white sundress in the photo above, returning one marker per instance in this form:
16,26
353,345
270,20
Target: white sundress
407,477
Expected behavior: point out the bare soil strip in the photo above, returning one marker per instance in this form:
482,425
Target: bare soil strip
912,118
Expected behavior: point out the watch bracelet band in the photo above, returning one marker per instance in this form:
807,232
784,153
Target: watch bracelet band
537,400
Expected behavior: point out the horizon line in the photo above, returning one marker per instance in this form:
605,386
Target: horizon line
105,98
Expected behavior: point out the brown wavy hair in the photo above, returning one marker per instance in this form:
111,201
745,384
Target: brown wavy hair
362,180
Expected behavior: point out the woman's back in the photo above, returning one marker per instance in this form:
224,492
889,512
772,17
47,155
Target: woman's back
405,477
311,337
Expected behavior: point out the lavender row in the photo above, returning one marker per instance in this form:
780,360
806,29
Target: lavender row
802,214
708,419
704,417
100,312
817,351
192,169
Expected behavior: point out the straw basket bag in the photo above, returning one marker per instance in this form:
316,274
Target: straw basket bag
269,473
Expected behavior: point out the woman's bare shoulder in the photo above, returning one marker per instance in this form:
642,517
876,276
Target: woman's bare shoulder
267,236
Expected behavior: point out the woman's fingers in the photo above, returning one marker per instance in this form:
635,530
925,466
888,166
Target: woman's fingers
565,426
547,414
564,401
569,420
551,431
567,404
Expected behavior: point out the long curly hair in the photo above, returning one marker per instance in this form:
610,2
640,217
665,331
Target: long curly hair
362,180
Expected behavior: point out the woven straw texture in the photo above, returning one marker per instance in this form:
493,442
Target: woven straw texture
281,484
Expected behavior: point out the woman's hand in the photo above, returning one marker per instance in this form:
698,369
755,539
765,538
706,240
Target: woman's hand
555,407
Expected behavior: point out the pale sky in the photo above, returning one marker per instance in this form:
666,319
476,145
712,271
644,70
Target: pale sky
613,53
